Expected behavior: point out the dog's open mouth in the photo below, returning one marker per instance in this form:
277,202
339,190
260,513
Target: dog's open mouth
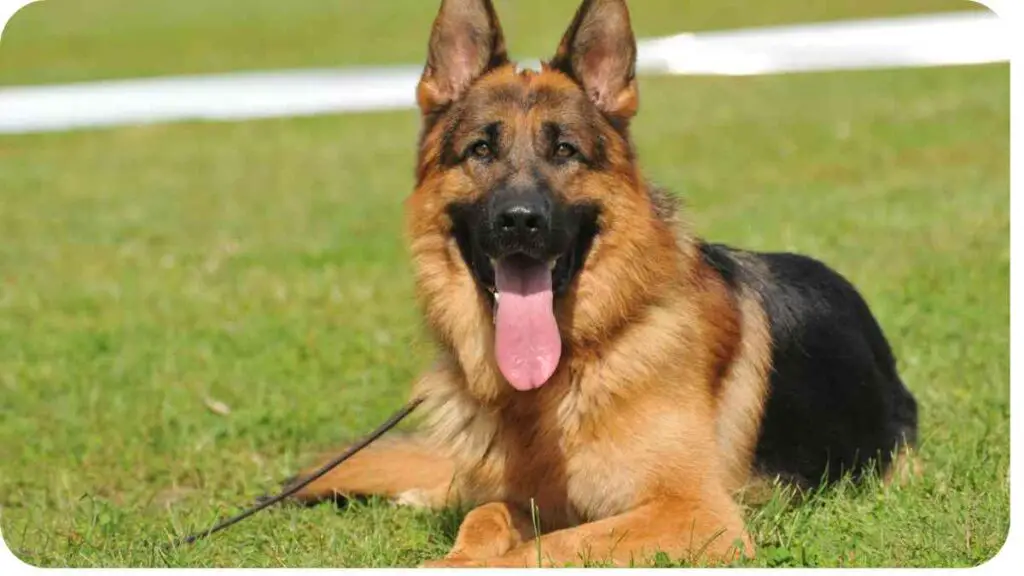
525,288
527,343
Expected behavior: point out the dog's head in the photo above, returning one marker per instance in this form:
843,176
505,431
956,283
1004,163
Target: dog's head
524,178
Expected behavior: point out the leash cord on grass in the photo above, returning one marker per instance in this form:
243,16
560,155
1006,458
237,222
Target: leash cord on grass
294,488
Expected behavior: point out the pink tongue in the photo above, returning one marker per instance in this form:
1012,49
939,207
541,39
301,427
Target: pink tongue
527,342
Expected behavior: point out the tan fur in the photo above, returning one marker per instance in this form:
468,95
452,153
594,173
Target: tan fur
404,470
490,531
637,442
905,467
743,392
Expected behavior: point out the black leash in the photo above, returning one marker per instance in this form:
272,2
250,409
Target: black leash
294,488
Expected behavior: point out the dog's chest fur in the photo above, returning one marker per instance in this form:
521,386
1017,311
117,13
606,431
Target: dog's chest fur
587,444
546,450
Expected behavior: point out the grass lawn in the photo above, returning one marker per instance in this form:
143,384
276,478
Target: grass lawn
151,277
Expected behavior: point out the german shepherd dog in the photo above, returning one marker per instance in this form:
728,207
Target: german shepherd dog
607,383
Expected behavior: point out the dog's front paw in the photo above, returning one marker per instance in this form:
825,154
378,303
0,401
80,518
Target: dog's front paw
507,561
415,498
452,563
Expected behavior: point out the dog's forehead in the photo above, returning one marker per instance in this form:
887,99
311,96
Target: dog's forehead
511,90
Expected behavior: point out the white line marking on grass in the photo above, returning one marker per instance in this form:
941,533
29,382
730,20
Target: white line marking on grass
236,96
916,41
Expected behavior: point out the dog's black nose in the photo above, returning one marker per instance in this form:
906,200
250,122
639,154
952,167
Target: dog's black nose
522,220
521,223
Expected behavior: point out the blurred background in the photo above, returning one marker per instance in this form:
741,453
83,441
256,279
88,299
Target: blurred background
189,311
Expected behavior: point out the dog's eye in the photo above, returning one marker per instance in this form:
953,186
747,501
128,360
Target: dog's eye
481,150
564,151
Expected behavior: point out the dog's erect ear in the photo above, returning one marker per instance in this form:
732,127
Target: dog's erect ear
466,41
598,51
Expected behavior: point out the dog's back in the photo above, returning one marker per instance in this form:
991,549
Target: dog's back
835,401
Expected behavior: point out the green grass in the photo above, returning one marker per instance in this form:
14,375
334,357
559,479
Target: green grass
147,271
87,39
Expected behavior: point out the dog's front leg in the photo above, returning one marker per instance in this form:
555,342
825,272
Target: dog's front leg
708,529
488,531
402,469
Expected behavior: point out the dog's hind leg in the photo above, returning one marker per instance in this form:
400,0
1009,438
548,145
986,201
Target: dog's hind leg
403,469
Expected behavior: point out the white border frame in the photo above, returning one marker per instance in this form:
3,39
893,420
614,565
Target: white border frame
1003,562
